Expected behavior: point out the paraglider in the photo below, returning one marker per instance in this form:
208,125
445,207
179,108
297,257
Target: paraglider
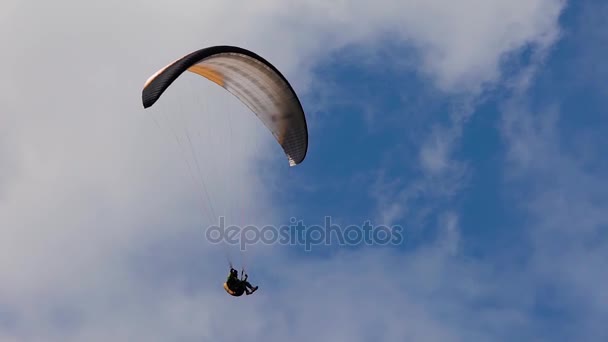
236,287
260,87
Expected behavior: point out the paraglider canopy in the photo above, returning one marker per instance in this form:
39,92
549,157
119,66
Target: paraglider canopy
254,81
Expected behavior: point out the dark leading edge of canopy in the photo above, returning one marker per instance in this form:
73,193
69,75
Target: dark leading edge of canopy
162,81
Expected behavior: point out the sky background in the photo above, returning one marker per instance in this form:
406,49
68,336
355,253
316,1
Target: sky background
478,127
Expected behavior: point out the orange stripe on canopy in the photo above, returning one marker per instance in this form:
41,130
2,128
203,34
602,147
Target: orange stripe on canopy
208,72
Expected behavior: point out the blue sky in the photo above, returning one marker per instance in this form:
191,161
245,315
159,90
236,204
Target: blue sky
498,229
477,127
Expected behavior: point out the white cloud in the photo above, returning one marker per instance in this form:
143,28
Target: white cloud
461,45
565,205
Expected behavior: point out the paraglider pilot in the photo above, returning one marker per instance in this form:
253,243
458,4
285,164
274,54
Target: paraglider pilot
236,287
